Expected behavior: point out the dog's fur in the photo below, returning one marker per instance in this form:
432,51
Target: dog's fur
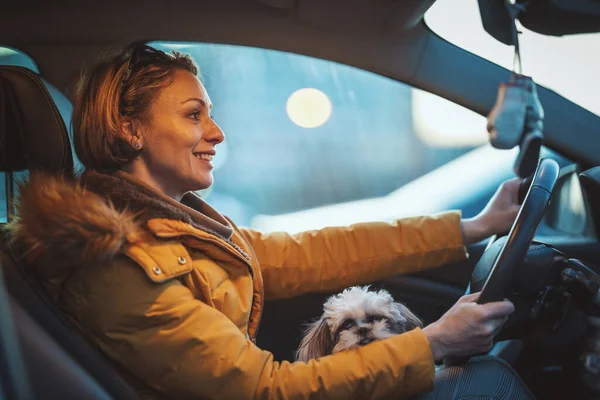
353,318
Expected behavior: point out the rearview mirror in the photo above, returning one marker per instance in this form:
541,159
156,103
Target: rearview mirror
554,18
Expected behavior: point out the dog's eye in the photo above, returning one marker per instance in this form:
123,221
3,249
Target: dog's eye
374,318
348,324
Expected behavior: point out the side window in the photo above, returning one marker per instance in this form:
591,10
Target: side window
10,56
311,143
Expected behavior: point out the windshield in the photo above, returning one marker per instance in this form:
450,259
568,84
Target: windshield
568,65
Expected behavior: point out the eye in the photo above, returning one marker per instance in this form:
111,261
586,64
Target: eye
195,115
348,324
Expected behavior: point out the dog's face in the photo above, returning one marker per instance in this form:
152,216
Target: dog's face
353,318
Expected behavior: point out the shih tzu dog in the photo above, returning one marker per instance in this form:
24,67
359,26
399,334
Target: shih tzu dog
353,318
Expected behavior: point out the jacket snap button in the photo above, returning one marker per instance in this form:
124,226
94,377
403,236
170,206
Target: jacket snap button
181,260
157,270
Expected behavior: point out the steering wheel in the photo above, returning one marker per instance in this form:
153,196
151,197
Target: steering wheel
494,273
497,267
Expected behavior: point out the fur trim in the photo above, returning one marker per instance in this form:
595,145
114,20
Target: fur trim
128,196
61,223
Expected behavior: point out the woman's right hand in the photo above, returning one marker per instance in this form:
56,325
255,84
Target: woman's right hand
467,328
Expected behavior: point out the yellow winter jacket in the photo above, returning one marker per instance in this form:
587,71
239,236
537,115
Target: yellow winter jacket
177,303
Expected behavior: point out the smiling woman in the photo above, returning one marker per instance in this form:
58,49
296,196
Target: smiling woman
173,291
98,138
180,138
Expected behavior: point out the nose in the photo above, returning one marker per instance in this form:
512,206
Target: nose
363,333
214,134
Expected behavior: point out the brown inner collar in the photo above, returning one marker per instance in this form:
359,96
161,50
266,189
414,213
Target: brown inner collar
127,192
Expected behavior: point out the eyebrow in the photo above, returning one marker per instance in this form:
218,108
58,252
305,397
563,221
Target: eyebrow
198,99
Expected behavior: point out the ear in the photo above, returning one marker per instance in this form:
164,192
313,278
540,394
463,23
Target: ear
316,343
130,132
412,321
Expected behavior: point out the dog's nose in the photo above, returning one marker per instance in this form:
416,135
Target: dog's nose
362,331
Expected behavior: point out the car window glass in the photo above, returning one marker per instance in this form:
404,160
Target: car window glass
310,142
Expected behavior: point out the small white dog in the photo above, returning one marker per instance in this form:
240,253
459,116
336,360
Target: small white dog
353,318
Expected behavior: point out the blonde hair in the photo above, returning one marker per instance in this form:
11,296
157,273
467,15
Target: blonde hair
113,89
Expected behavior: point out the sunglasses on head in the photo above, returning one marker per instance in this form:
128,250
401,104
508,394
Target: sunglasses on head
140,54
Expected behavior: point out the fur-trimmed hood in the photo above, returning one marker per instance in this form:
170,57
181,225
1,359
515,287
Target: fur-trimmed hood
62,223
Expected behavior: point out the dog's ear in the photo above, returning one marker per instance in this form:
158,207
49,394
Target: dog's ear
317,341
412,321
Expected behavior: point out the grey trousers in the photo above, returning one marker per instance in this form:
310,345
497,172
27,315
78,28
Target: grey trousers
482,378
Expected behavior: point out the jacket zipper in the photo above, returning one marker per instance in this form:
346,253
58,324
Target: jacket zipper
262,296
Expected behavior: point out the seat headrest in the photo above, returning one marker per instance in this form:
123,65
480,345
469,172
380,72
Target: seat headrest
33,135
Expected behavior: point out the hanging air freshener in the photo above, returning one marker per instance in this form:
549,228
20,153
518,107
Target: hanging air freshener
517,117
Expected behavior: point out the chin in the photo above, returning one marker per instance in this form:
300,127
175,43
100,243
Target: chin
199,183
354,318
205,185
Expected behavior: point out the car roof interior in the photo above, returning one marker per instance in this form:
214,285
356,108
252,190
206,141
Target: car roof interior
383,36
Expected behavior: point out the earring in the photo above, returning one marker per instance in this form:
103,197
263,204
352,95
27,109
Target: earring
137,145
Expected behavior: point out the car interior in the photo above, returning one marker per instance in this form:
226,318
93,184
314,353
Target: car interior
548,265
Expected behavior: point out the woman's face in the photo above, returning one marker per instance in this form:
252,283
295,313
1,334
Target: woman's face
179,137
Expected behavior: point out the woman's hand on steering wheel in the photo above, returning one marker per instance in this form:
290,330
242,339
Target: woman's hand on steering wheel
498,215
494,273
467,328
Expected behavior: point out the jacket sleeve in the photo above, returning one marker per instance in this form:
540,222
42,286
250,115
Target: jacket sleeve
188,350
334,258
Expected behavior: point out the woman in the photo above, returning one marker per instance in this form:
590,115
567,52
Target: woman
172,291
